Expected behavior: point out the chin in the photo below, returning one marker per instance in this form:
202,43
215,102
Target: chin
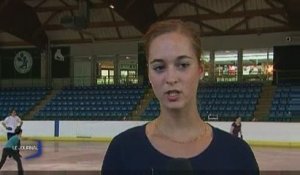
174,105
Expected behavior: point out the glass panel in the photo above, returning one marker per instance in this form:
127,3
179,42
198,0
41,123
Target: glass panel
124,74
205,59
105,72
226,65
258,65
132,77
128,71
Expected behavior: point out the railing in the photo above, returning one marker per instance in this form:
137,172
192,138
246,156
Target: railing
74,81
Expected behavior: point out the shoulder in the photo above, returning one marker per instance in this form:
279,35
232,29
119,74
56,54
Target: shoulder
15,138
7,118
234,146
232,152
230,143
222,136
122,146
130,136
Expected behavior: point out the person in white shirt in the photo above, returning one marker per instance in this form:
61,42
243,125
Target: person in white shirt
11,122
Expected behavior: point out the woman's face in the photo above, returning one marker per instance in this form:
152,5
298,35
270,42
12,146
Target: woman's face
174,70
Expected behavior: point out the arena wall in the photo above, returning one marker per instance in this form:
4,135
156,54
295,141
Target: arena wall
255,133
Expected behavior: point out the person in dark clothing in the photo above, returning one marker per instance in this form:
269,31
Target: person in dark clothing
173,52
11,148
236,127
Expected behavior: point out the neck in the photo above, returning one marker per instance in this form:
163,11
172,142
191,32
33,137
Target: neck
182,131
179,120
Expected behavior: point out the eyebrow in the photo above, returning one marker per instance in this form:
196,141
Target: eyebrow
156,60
177,58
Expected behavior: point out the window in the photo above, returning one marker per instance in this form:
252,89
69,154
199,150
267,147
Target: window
226,65
205,60
128,67
258,64
105,72
128,76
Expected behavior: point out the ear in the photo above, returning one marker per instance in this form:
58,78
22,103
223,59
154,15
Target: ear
148,74
201,71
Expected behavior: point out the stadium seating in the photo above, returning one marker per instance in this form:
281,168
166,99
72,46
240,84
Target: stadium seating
285,103
110,102
221,100
23,99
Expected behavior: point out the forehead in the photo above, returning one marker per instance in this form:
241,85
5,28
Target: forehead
170,44
170,37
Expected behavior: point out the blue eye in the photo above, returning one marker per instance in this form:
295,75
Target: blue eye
184,65
158,68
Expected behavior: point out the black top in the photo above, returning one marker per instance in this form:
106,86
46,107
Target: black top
236,129
132,153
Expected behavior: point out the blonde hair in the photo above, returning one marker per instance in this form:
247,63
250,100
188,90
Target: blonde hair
173,25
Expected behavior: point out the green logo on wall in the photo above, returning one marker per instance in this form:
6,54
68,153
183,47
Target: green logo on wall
23,62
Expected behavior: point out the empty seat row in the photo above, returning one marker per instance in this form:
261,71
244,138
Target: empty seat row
218,99
285,103
104,97
92,101
102,92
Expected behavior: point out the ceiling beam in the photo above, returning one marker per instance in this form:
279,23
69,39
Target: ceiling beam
199,17
279,1
210,11
232,8
276,19
72,14
244,10
78,41
40,4
239,14
91,25
69,7
213,33
209,27
114,21
270,3
166,13
197,13
257,31
244,21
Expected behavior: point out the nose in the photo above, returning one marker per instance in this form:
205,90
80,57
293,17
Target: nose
171,77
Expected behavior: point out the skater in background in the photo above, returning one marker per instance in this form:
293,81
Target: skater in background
236,127
11,122
11,149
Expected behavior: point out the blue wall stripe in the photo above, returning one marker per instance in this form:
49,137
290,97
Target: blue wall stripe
56,128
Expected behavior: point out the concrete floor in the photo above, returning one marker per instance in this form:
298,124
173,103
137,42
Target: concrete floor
88,156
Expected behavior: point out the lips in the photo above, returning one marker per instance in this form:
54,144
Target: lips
172,95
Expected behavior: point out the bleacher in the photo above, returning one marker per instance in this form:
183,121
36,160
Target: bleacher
23,99
152,110
285,103
221,101
228,100
110,102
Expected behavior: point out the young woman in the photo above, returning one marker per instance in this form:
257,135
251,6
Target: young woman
236,127
173,51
